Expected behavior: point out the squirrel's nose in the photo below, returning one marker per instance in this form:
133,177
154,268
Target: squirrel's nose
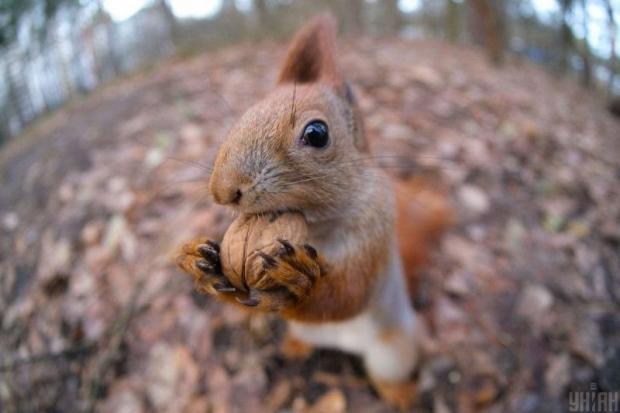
229,183
228,195
228,188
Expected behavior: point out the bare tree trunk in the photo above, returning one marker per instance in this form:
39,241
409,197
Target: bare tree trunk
262,14
14,97
566,40
489,18
112,60
261,20
229,8
452,20
393,17
585,50
611,26
170,19
356,15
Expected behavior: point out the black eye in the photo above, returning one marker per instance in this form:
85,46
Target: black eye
315,134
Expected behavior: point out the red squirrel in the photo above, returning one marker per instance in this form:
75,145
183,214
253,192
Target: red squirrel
303,148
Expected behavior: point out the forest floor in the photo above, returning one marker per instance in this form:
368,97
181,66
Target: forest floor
522,299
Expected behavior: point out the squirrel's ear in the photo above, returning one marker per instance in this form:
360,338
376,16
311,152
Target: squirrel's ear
311,56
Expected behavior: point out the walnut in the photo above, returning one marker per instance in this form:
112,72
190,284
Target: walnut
251,233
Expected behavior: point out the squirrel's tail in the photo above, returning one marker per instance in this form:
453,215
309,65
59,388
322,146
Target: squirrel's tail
424,213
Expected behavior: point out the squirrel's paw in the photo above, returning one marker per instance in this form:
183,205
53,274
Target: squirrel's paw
201,259
285,275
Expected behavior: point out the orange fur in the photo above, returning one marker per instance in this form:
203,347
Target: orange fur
350,268
423,214
311,57
356,190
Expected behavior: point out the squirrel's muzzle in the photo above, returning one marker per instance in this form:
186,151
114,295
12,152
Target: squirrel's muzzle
228,183
227,190
228,197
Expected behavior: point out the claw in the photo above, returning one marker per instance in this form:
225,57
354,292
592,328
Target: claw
251,301
214,245
208,251
224,288
288,248
311,251
205,266
268,261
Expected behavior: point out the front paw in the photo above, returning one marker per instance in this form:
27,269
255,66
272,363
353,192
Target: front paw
282,276
201,259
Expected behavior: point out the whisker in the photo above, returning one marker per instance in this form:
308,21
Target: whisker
287,184
419,168
169,185
191,163
218,94
409,163
399,157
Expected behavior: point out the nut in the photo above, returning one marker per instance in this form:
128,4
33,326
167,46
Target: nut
249,234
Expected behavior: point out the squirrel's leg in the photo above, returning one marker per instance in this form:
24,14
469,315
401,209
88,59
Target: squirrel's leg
390,353
385,335
392,356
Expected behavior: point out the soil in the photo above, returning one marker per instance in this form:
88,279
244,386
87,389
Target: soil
522,299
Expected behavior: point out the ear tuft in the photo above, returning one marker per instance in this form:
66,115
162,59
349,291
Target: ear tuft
311,57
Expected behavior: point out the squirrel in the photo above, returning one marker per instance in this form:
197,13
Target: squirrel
303,148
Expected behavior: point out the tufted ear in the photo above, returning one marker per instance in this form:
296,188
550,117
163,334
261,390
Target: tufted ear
311,57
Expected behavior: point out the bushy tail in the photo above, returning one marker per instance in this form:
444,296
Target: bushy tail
424,213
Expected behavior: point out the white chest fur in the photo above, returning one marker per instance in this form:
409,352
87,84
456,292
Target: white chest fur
383,334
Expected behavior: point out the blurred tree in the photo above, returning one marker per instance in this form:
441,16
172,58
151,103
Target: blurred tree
566,33
262,12
452,13
12,13
350,14
611,25
489,26
584,49
229,9
355,16
393,19
170,18
570,43
430,18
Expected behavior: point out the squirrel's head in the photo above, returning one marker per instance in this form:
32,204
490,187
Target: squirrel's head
300,147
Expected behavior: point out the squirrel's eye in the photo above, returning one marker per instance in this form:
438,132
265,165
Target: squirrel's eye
315,134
